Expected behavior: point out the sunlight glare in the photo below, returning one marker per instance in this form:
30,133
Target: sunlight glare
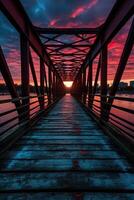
68,84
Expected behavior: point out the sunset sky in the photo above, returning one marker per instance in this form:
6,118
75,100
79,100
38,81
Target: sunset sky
65,13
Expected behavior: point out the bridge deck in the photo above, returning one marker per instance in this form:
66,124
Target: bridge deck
66,156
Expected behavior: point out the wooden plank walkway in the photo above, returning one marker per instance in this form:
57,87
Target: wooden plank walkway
66,156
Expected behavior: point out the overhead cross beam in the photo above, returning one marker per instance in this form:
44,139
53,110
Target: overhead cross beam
68,31
67,55
67,45
53,42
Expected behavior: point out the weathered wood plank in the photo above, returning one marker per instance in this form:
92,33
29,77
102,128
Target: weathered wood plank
67,181
74,137
65,164
71,147
63,154
67,196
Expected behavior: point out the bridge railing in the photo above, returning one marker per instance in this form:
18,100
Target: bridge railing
123,123
84,88
23,109
119,121
13,123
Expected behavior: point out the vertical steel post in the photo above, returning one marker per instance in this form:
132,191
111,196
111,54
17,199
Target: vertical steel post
49,85
80,86
54,85
96,78
45,77
42,83
24,44
84,86
90,77
103,66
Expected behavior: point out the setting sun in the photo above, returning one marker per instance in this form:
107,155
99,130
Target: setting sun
68,84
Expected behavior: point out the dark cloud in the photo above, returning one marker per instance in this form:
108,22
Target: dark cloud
67,12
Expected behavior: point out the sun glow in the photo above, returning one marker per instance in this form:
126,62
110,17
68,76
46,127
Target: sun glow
68,84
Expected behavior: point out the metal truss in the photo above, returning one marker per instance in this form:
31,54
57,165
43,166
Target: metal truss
67,53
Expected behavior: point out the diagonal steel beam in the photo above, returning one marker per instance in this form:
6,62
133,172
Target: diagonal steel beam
25,90
9,81
85,39
118,16
122,64
75,48
72,43
34,74
96,78
50,39
16,14
103,80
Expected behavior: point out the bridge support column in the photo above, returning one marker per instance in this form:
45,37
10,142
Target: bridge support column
49,85
84,86
25,76
42,73
80,86
54,85
96,79
103,66
90,74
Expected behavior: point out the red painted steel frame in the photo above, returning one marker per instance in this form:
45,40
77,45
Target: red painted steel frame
57,60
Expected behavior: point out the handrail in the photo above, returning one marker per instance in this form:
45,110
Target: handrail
22,114
124,120
12,124
122,131
20,98
118,107
122,124
116,97
120,118
20,107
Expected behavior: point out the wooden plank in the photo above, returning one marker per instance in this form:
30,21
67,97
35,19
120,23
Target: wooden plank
67,181
65,164
67,195
61,142
57,137
79,154
71,147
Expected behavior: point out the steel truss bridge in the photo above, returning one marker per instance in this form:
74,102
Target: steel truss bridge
66,146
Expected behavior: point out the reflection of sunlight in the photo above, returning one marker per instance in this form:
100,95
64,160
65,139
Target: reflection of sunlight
68,84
